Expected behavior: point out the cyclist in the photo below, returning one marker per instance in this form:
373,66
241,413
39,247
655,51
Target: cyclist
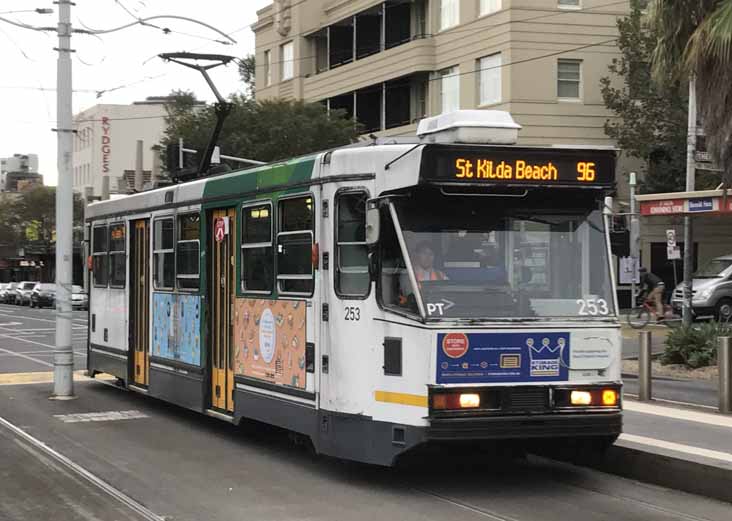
652,289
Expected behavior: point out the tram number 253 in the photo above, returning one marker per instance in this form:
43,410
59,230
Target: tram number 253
585,171
352,313
592,306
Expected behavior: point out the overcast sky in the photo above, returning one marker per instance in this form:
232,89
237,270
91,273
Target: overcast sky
122,63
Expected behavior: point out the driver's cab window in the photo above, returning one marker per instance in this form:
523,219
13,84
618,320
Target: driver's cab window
394,283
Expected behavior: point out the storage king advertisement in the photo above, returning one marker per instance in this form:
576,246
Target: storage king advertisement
464,358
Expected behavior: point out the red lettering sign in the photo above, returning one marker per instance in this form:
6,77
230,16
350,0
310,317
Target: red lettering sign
455,345
668,207
106,144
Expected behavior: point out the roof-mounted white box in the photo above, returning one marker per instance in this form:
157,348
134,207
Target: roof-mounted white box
494,127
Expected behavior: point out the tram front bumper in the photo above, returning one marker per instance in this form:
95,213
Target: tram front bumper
551,425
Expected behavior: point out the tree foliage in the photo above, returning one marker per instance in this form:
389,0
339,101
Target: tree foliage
247,71
30,217
694,39
650,122
267,130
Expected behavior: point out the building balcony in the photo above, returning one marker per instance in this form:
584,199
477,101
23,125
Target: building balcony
417,56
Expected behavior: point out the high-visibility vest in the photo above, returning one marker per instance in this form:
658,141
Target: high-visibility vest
434,275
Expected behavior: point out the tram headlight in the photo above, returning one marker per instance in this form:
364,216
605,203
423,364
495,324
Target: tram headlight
609,397
469,400
580,398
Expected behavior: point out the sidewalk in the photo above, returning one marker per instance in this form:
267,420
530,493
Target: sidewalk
678,447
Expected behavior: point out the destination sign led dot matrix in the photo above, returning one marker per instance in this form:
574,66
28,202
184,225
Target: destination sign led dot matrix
520,166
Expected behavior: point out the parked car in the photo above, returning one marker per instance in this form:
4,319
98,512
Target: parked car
23,292
8,294
79,298
711,290
43,294
3,289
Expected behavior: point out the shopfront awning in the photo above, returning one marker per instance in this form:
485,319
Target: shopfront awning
702,202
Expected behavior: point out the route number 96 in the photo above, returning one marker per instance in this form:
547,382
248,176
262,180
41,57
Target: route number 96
585,171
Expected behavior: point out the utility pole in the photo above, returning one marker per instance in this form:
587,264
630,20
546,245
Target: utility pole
634,237
63,354
690,182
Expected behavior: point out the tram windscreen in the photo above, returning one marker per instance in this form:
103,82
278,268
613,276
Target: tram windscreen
543,255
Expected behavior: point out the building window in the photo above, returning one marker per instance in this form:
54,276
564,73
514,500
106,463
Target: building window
257,258
288,69
490,79
295,246
569,79
117,256
449,13
450,89
267,68
352,268
163,254
569,3
187,256
100,257
489,6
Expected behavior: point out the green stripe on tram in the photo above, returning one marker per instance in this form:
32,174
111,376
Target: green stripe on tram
290,172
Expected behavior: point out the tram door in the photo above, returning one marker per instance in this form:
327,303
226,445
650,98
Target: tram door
222,293
140,300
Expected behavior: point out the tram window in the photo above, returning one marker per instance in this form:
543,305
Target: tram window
187,251
352,271
164,254
295,246
395,288
257,260
117,256
100,250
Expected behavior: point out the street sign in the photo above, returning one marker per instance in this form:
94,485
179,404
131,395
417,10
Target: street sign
220,229
673,252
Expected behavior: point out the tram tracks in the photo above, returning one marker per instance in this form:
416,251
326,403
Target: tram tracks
547,479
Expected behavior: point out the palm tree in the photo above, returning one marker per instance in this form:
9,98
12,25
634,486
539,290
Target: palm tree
695,40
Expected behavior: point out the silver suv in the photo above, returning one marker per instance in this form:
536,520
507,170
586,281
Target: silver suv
711,290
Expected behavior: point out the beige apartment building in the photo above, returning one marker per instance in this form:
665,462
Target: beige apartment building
390,63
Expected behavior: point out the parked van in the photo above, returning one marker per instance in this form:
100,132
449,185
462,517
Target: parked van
711,290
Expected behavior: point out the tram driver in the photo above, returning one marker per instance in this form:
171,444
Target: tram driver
424,270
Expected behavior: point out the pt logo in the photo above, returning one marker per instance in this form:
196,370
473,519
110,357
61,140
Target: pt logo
545,359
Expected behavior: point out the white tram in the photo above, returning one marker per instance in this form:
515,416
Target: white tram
373,298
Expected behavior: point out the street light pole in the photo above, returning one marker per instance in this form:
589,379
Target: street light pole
686,315
63,355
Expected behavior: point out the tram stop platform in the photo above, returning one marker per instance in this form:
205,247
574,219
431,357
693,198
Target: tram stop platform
111,443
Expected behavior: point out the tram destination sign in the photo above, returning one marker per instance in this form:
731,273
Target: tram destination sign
518,166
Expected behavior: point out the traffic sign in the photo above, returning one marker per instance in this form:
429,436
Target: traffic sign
673,252
220,229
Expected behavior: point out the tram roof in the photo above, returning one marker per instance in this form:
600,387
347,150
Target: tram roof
370,157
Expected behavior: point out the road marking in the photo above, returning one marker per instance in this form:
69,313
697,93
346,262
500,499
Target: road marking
679,414
100,416
45,377
678,447
6,324
123,498
36,360
676,402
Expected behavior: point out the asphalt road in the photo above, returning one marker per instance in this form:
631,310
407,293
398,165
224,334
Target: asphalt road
27,338
185,466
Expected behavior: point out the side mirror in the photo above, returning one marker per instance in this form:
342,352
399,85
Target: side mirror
373,267
373,223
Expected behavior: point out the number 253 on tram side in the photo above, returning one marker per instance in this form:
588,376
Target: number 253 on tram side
374,299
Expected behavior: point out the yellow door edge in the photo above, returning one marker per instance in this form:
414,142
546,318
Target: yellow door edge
416,400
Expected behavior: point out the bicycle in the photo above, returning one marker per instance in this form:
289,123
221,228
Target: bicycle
640,316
